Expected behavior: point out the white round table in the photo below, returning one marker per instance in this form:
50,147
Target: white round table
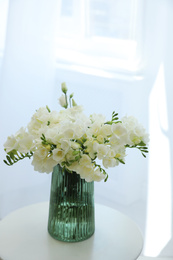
24,236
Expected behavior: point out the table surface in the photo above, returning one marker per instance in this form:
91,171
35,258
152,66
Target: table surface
24,236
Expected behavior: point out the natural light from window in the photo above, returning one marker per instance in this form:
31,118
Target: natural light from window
159,209
99,34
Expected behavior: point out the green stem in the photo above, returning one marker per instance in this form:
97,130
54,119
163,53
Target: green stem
66,100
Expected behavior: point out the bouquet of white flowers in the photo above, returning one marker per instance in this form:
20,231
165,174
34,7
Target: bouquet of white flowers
74,141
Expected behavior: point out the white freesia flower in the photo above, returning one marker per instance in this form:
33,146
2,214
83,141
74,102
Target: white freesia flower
109,162
42,115
86,172
102,151
42,151
120,152
98,176
100,139
119,131
95,129
58,155
75,110
65,145
91,147
72,115
106,130
54,118
25,144
85,160
74,145
74,167
21,141
78,130
62,101
52,134
10,144
43,164
115,140
70,156
136,132
49,164
75,141
38,163
111,152
146,138
69,133
98,118
20,133
38,120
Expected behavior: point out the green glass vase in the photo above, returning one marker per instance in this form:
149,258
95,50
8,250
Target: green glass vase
71,208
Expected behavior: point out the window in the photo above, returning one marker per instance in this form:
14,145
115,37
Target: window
99,34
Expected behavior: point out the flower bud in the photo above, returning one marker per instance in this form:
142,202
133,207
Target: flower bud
74,103
64,87
62,101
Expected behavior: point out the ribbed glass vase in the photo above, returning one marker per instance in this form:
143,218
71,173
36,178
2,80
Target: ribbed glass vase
71,209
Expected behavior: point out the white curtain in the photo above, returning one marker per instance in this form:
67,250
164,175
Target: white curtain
30,78
27,82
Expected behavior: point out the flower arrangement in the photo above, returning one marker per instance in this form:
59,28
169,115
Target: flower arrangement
75,141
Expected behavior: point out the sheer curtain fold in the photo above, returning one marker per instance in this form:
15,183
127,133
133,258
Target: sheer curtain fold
27,82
